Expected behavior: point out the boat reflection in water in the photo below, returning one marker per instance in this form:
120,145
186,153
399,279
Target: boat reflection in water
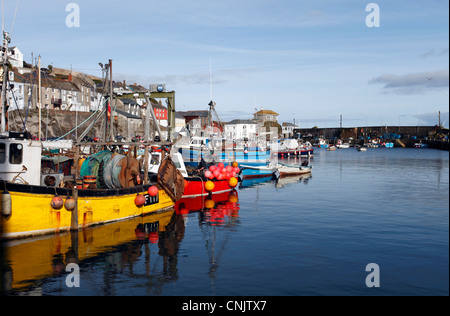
28,264
279,183
213,209
218,217
289,180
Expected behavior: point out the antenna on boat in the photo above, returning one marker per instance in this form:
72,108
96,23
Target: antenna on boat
210,79
15,14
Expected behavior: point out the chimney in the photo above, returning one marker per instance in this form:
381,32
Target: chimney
70,77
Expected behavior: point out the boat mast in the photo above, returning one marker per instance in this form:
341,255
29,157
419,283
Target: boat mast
6,41
39,94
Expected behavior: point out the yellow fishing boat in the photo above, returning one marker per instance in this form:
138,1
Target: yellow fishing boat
29,208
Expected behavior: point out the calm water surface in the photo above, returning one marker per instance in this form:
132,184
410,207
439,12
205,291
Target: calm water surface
298,236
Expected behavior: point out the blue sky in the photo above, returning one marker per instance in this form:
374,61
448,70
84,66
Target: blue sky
311,61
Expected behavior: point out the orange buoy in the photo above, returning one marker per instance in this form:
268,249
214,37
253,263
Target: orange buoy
232,198
233,182
153,191
235,164
209,203
139,200
57,202
209,186
70,204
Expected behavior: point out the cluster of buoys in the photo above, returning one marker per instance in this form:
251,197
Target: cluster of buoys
58,202
220,172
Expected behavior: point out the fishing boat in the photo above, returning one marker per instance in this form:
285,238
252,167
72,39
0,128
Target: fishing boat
36,200
195,183
213,147
291,147
36,203
420,145
291,170
341,145
215,150
323,143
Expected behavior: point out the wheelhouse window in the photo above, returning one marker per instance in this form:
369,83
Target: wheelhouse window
15,154
2,153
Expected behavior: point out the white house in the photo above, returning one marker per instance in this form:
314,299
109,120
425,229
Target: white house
15,57
241,130
287,129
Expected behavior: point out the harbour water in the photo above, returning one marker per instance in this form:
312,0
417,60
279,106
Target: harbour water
312,235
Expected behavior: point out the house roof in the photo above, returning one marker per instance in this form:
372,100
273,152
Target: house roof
266,112
127,115
200,113
238,121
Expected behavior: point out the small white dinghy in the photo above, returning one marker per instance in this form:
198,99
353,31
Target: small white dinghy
289,170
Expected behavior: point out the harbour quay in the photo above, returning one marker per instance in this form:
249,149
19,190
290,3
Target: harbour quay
402,136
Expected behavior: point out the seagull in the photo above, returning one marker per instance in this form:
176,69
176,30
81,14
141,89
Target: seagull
429,78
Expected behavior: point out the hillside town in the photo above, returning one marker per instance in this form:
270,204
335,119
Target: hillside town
65,92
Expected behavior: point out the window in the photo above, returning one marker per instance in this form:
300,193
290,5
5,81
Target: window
2,153
15,153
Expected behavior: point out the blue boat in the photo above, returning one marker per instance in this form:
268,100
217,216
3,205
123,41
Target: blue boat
261,171
251,156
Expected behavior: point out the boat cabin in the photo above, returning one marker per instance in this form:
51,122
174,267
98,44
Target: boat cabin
18,161
154,162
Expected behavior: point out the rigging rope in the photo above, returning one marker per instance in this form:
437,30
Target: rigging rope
81,123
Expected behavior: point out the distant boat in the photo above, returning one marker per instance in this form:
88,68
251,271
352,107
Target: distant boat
212,150
323,143
360,148
331,148
291,147
420,145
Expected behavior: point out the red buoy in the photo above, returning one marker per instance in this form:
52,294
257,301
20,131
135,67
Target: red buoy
139,200
153,191
57,202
